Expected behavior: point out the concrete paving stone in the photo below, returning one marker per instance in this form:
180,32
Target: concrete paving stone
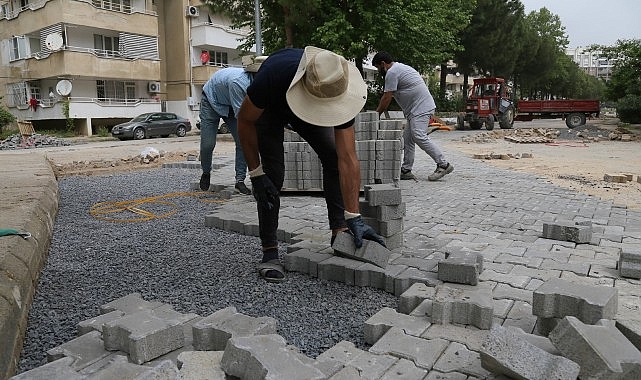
420,263
505,291
545,325
578,268
339,269
601,271
530,262
460,359
214,220
629,308
516,281
95,324
387,212
404,370
314,246
305,261
551,253
201,365
462,267
520,310
115,366
368,364
534,284
370,252
498,267
541,342
526,324
378,324
502,307
411,276
413,296
630,263
267,357
601,350
469,336
129,304
547,244
591,281
506,352
491,241
59,369
348,373
631,329
382,195
628,287
558,298
165,370
436,375
391,272
369,275
468,305
147,334
422,352
212,332
85,350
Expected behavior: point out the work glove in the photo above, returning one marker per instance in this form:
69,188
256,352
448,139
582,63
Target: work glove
361,231
263,189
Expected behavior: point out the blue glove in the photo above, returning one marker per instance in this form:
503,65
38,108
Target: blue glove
361,231
264,191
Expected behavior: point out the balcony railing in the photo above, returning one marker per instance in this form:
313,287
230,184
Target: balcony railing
99,4
33,5
105,102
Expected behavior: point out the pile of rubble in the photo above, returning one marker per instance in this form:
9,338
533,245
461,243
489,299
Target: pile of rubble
585,133
37,140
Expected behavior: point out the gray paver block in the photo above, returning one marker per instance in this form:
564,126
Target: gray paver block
114,367
463,304
129,304
339,269
404,370
461,267
541,342
459,358
630,263
147,334
305,261
601,350
378,324
422,352
413,297
267,357
369,365
506,352
201,365
557,298
165,370
369,275
59,369
371,252
85,350
95,324
411,276
545,325
212,332
436,375
469,336
631,329
567,231
382,194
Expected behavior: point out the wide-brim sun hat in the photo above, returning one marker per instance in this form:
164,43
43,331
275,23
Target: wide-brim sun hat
255,65
327,90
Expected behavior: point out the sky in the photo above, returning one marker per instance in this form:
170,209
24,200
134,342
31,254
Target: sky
590,22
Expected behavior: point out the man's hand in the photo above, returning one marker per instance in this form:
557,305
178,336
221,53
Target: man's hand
264,191
361,231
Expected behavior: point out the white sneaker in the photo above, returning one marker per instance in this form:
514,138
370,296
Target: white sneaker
440,172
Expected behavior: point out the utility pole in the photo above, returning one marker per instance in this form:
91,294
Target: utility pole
259,42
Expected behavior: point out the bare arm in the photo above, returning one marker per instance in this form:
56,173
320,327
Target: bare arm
247,116
386,99
348,168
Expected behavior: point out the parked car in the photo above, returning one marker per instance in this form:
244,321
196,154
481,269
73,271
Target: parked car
152,124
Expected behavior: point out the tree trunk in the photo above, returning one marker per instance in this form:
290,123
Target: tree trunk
289,32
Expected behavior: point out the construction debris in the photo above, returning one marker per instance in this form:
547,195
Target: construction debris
19,141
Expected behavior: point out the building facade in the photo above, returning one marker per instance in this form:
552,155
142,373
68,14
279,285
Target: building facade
591,62
97,63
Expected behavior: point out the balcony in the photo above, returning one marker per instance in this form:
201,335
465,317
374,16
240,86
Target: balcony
88,63
210,35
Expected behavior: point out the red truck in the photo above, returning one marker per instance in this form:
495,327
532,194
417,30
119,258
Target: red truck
490,101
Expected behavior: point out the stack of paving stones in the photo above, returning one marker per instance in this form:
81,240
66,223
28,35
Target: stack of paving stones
378,146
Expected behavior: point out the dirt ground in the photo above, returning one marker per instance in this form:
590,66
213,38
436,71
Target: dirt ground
575,159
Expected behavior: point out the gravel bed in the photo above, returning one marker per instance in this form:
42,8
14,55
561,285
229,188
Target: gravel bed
179,261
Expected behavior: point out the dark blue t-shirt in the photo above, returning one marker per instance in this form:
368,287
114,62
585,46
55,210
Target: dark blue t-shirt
271,82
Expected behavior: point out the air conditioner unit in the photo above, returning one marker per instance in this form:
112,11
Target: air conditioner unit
154,87
191,11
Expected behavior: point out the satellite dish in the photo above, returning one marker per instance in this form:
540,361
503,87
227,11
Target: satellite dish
63,87
54,41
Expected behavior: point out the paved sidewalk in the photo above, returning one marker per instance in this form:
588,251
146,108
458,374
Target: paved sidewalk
478,208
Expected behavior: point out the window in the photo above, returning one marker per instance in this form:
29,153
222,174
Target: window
111,89
106,46
218,58
18,48
24,3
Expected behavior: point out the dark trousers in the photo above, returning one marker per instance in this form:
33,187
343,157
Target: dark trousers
270,129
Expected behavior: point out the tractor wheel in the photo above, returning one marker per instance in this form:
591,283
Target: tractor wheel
575,120
489,123
506,121
476,124
460,122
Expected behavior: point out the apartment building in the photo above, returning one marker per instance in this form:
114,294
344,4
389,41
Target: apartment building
591,62
102,62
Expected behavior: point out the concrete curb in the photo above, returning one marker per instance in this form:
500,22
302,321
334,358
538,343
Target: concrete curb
28,203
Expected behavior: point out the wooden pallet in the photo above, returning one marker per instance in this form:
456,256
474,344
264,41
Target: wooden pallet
26,128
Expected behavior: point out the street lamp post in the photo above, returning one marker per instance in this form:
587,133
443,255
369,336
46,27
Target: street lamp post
259,42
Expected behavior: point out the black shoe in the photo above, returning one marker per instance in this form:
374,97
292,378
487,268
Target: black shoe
241,188
407,174
204,181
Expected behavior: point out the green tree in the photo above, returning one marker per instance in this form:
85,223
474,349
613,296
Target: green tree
625,83
6,117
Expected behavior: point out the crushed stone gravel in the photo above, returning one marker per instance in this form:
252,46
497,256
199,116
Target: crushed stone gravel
178,261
